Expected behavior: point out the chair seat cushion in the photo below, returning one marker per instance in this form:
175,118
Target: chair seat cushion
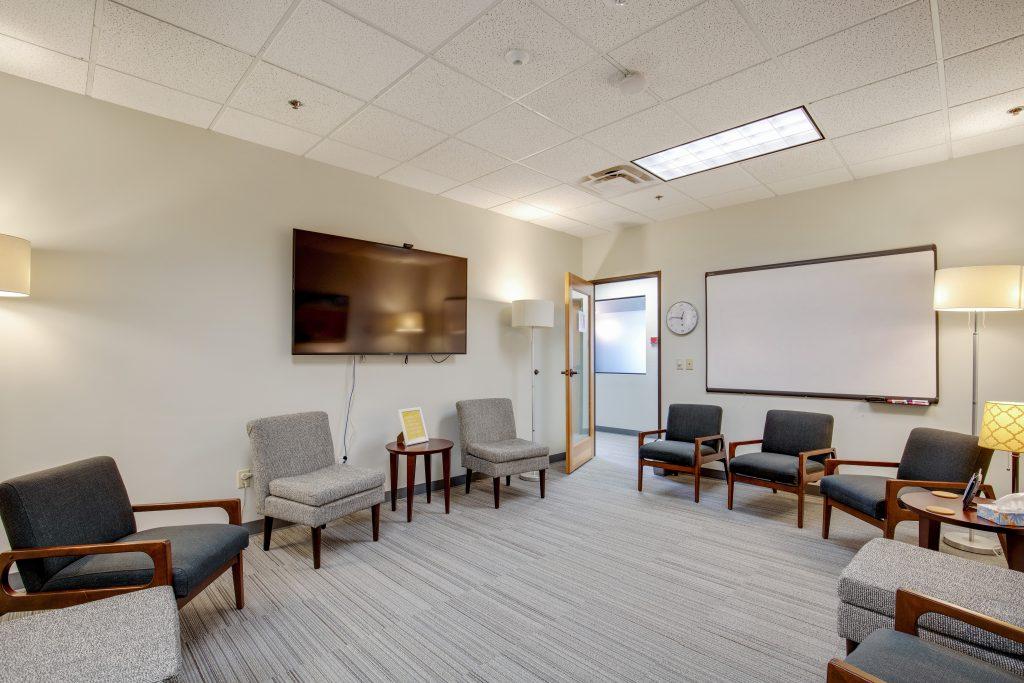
772,466
327,485
862,492
197,550
674,452
897,657
508,450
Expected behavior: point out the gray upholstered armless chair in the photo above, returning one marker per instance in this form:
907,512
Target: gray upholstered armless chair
691,428
793,450
487,428
932,459
72,532
297,480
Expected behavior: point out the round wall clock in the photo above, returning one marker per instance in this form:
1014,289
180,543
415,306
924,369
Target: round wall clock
682,317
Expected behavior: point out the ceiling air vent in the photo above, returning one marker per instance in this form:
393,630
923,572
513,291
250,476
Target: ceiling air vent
618,180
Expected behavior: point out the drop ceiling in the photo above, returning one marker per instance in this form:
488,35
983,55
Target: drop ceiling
419,92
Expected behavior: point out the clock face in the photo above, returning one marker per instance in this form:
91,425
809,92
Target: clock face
682,317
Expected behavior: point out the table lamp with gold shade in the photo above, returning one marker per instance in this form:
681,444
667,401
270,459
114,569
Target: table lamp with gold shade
1002,429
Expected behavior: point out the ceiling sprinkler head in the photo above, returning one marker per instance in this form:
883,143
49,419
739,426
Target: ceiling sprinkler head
517,57
633,83
1015,111
295,103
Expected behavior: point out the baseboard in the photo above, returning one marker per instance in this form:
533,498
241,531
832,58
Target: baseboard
617,430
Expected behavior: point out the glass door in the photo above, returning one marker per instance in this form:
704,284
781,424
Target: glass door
579,371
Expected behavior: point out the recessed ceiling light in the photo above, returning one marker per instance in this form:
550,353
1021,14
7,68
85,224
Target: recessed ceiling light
772,134
517,57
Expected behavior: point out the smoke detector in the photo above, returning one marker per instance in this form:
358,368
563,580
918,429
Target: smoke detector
517,57
632,83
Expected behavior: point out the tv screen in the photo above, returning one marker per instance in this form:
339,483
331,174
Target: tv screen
356,297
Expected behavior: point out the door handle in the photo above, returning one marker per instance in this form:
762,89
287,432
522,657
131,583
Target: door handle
570,372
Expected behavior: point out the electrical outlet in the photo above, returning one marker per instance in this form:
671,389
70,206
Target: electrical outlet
679,364
689,364
243,478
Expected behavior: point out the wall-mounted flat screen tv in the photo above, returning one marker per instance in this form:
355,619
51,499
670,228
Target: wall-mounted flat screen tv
356,297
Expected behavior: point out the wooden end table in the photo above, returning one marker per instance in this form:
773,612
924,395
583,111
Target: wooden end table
930,524
426,449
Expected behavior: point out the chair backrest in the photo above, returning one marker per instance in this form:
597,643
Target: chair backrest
687,421
485,420
940,455
74,504
793,432
287,445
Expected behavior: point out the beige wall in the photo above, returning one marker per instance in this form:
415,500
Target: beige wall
971,208
159,321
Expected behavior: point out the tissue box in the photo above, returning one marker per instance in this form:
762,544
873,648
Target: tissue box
990,513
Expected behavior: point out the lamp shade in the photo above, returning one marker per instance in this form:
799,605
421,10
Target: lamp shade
15,266
978,288
1002,426
533,313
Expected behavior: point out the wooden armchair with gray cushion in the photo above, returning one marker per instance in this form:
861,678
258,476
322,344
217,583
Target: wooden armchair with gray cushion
297,480
73,535
932,459
487,428
793,450
690,429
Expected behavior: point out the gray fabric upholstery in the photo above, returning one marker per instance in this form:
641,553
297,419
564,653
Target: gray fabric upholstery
487,430
897,657
507,450
689,421
777,467
792,432
197,551
309,515
124,639
504,469
81,502
674,452
327,485
939,455
485,420
287,445
862,492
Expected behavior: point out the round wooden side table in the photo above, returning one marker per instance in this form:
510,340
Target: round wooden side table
426,449
930,523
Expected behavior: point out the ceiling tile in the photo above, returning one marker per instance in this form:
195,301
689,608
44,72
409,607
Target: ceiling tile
985,116
808,182
748,194
244,125
133,43
469,194
394,136
751,94
670,211
607,26
61,25
323,43
715,181
893,99
917,133
788,24
515,132
564,224
241,24
267,90
523,212
969,24
891,44
641,134
793,163
988,71
897,162
515,24
515,181
352,158
572,161
606,215
584,231
559,198
441,98
424,24
587,98
660,202
699,46
151,98
418,179
459,160
987,142
39,64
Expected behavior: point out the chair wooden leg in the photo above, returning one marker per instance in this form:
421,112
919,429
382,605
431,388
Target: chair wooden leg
543,474
508,481
375,517
890,530
268,529
239,580
696,483
469,478
497,492
800,508
851,645
728,476
640,475
316,547
826,516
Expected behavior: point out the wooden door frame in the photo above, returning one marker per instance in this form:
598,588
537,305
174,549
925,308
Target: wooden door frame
625,278
571,279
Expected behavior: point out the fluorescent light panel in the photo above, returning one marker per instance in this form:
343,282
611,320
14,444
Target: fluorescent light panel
764,136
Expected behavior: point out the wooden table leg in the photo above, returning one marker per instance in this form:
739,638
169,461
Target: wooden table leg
394,481
410,484
426,472
446,472
928,532
1014,551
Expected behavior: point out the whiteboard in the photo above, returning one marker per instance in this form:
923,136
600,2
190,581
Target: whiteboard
859,326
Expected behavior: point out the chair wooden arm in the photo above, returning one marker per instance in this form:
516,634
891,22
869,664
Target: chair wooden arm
832,464
843,672
807,455
735,444
910,606
12,600
233,506
643,435
699,441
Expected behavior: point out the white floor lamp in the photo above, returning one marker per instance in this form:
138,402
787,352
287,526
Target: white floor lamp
974,290
532,313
